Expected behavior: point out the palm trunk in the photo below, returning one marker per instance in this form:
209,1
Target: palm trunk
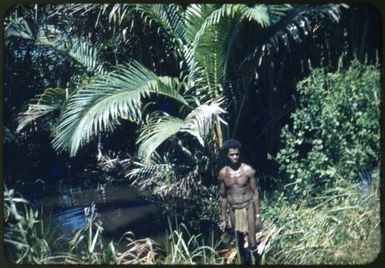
218,136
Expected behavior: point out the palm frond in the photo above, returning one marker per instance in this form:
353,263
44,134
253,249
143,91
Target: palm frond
213,41
154,167
265,15
86,54
155,133
116,12
79,9
51,100
198,123
168,18
211,50
169,21
216,17
153,176
9,135
195,16
18,28
291,24
98,105
257,13
79,49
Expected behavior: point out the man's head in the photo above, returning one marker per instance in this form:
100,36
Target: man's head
232,150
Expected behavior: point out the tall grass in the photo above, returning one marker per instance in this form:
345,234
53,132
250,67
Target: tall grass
342,228
28,241
27,236
186,248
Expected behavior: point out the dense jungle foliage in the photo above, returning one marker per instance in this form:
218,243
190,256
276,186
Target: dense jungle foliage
149,92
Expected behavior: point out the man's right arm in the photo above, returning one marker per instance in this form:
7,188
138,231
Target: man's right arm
223,201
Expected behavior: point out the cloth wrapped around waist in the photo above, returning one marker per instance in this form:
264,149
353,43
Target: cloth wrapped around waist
241,223
241,217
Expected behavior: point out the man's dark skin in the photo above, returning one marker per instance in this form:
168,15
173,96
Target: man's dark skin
238,187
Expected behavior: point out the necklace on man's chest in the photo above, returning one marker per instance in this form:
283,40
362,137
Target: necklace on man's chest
236,173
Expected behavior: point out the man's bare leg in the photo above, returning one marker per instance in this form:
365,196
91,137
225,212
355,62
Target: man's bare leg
252,257
232,218
251,225
240,243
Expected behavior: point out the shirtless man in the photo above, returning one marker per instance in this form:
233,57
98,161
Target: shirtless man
239,194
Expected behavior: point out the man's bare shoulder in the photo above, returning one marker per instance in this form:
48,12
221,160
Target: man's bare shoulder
222,173
248,169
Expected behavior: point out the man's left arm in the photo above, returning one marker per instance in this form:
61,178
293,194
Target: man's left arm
255,194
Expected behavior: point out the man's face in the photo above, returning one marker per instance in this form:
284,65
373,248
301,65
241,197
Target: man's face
233,155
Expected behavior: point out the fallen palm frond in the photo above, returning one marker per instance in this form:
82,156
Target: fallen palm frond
142,251
263,239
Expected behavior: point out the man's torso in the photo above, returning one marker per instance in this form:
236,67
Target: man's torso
237,183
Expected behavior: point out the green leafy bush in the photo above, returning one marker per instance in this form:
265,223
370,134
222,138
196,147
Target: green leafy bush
334,133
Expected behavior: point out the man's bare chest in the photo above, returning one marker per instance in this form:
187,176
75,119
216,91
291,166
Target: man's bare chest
235,178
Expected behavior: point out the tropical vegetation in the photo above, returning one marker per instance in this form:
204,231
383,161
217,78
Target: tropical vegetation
164,85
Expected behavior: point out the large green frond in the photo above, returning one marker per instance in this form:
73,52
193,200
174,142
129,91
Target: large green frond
169,21
98,105
146,171
116,12
198,123
213,41
257,13
168,18
291,23
79,49
86,54
51,100
265,15
157,131
216,17
210,49
195,16
18,28
9,135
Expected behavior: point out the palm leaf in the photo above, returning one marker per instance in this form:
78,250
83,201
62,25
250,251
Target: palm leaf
79,49
210,49
266,15
290,23
200,121
51,100
116,12
168,18
170,21
157,131
18,28
197,123
195,16
98,105
86,54
143,173
214,37
9,135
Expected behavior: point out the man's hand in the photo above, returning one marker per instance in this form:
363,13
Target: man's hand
223,226
258,222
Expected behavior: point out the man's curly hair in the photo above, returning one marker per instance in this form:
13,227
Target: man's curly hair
231,144
222,154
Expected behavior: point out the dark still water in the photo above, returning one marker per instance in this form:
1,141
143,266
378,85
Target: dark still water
120,206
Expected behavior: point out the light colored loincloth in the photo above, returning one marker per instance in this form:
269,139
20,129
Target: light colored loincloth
241,223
